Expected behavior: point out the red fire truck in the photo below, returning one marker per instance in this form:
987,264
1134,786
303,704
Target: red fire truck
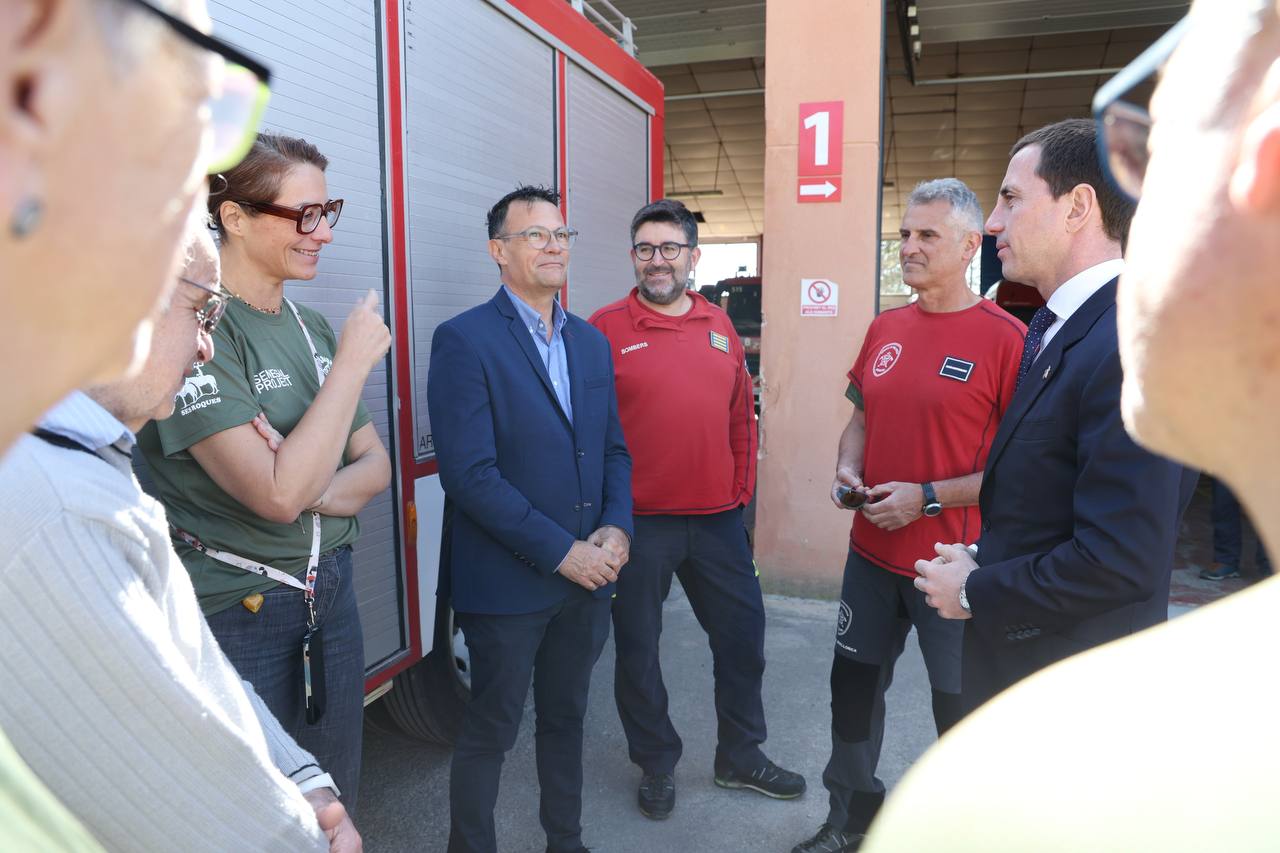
429,111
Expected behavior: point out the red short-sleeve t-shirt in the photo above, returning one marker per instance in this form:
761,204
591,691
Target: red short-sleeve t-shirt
934,387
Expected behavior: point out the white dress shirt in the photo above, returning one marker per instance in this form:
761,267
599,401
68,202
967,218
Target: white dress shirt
1068,298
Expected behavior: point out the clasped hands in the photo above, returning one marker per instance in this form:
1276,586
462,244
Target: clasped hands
940,579
596,561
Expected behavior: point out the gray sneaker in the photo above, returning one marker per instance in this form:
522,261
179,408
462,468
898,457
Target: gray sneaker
830,840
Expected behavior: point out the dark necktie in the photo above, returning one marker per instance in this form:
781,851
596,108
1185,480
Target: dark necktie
1040,323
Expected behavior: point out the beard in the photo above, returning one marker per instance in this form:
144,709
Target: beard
662,297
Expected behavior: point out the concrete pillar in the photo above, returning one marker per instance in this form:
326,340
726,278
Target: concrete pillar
818,50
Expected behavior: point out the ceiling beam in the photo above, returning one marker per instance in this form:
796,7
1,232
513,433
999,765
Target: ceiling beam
706,53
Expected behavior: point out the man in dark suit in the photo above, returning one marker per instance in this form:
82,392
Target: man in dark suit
1078,522
531,454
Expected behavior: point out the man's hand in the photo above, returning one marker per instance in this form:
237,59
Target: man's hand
890,506
269,433
334,821
589,566
615,541
941,578
845,477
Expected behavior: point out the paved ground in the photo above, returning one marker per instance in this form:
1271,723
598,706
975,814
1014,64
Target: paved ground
404,795
404,799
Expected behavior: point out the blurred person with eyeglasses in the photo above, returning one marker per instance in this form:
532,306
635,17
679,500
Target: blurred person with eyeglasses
678,360
135,718
272,453
140,86
1105,751
532,460
115,111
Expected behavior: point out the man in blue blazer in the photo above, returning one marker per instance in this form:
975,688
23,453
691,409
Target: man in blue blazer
530,448
1078,522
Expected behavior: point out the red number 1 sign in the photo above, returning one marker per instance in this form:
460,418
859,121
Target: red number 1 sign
821,139
821,152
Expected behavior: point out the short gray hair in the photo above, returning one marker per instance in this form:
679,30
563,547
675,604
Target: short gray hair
965,208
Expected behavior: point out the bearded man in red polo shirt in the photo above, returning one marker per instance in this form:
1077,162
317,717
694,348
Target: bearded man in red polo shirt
928,390
687,410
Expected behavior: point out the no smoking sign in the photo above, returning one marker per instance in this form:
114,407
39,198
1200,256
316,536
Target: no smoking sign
819,297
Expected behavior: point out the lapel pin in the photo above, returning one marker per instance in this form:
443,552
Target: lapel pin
1047,371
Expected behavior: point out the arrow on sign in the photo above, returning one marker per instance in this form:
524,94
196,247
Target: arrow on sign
825,189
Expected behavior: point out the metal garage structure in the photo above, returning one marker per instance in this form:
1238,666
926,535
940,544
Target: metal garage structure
987,72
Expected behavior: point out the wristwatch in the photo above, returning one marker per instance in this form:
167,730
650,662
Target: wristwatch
964,596
932,506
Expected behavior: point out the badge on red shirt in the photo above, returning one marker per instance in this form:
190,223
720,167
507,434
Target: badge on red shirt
719,341
956,368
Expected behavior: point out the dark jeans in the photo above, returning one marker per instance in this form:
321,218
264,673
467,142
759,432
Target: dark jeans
266,648
1228,541
711,556
556,649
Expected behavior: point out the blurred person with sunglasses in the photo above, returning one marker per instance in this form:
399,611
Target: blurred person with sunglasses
137,720
265,528
114,111
1106,751
88,82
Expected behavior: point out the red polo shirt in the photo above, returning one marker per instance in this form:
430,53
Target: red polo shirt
686,405
934,387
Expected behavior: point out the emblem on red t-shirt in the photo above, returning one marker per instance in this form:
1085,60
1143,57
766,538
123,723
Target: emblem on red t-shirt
956,368
886,359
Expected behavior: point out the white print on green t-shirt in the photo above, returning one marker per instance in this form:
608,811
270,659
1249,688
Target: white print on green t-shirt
200,389
271,379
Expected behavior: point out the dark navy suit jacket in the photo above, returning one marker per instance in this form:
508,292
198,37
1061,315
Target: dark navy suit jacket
1079,523
525,483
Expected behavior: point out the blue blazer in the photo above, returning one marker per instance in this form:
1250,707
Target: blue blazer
1079,523
525,483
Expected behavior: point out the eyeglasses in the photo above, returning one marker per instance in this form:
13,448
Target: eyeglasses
239,98
540,238
213,309
670,251
1124,129
306,218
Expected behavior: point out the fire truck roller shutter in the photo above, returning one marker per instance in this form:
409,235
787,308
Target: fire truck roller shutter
325,88
608,143
481,119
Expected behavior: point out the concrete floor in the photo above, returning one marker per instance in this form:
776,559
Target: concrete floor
404,793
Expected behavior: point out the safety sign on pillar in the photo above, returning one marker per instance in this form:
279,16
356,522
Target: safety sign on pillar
820,152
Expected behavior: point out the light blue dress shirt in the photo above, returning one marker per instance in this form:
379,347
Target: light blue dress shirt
80,418
553,353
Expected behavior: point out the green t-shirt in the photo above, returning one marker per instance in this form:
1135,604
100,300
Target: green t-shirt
261,363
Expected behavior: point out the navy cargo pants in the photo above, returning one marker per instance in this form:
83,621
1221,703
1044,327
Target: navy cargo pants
711,555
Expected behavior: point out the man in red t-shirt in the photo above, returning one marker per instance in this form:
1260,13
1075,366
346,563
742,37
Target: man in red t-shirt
688,415
928,388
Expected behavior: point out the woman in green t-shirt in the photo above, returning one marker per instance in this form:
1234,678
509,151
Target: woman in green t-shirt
250,516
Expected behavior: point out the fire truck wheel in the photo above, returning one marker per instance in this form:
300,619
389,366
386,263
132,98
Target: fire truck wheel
429,697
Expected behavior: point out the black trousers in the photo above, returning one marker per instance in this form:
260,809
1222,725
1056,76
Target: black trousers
556,649
713,560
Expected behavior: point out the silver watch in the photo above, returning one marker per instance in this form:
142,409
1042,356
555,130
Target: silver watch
964,597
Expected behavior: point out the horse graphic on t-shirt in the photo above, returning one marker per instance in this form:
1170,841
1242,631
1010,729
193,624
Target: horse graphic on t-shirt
197,385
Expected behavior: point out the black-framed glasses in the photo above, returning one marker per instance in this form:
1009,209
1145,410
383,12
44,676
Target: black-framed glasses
241,91
306,218
211,312
669,250
540,238
1124,128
